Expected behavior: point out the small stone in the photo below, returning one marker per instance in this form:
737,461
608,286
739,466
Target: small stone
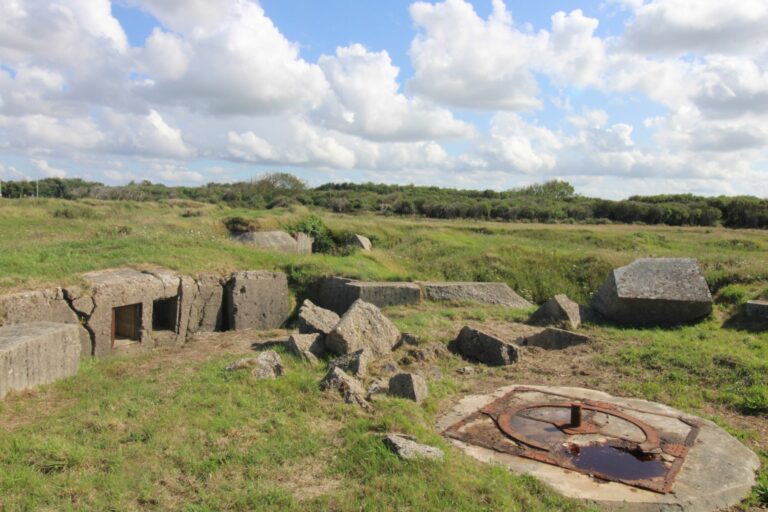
350,388
377,387
410,386
267,365
355,363
389,368
435,373
559,311
407,338
314,319
466,370
307,346
363,242
408,449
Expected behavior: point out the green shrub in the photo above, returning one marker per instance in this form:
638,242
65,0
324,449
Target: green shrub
74,212
240,225
732,294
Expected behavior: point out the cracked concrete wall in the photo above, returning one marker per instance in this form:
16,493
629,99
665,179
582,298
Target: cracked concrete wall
257,300
49,304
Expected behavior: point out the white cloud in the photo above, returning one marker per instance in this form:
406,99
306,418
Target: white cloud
144,135
48,171
463,60
364,100
706,26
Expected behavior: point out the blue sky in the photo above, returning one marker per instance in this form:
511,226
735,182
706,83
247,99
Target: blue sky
619,97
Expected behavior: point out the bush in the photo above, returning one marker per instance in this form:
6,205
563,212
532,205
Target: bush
192,213
240,225
74,212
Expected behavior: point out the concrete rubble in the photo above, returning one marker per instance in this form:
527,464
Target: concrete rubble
37,353
266,365
559,311
407,448
351,389
655,291
410,386
355,363
314,319
757,310
479,346
307,346
363,326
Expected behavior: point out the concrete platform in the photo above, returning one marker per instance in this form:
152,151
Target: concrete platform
717,473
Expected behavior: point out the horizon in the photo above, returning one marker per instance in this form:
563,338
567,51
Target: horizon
617,97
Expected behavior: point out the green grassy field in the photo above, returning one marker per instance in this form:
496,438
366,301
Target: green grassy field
172,430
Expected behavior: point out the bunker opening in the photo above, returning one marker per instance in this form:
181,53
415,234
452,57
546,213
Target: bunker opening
126,324
599,439
165,314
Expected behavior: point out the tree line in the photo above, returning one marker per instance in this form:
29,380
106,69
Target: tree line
553,201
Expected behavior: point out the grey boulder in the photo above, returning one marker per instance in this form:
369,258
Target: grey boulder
313,318
363,326
483,347
307,346
654,291
409,386
559,311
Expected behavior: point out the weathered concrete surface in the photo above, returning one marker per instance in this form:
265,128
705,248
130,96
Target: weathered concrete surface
351,389
278,241
207,308
717,473
559,311
407,448
338,293
304,243
257,300
410,386
313,319
485,348
486,293
552,338
307,346
266,365
363,326
49,305
112,288
654,291
757,310
363,242
37,353
355,363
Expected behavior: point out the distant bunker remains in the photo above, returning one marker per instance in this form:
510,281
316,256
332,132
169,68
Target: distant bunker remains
619,453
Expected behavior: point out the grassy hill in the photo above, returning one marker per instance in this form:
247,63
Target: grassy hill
172,430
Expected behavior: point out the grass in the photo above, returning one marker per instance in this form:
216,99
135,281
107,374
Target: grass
172,430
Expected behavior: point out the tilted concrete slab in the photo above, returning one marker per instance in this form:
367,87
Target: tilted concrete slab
37,353
486,293
338,293
718,471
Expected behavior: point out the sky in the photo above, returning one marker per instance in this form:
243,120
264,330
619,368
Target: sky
618,97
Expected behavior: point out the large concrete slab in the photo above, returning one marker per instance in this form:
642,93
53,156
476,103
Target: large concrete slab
486,293
655,291
338,293
257,299
718,471
278,241
37,353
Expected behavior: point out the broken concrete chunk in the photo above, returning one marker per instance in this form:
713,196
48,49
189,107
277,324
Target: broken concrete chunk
363,326
554,339
363,242
278,241
429,352
477,345
267,365
37,353
307,346
313,318
486,293
338,293
757,310
407,448
559,311
257,300
355,363
655,291
350,388
410,386
49,305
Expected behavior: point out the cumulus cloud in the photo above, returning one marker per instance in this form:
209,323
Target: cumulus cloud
47,170
364,99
